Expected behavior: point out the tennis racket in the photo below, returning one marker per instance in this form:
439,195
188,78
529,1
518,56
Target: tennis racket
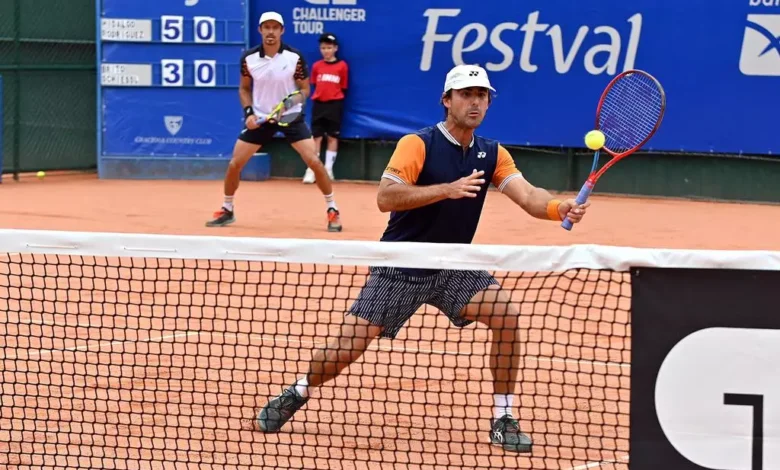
629,113
276,115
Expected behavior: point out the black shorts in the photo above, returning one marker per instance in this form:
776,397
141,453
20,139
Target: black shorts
297,130
391,297
326,118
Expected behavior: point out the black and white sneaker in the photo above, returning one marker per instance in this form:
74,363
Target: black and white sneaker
221,218
279,410
505,432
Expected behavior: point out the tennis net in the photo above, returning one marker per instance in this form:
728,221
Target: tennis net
129,351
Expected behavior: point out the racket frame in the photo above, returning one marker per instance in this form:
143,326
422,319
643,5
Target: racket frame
594,175
276,111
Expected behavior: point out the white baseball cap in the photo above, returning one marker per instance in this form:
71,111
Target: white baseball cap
465,76
271,16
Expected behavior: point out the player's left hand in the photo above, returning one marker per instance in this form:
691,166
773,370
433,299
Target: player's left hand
573,211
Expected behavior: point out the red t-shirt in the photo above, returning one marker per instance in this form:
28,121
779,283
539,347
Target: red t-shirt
329,80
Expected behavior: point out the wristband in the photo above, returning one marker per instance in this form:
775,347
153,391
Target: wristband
248,111
552,209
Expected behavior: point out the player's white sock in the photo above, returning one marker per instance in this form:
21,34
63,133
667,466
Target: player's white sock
302,387
228,203
331,201
330,159
503,405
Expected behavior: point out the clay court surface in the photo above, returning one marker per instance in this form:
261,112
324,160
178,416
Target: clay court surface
134,362
286,208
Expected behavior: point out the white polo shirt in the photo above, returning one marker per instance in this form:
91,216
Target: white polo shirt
273,78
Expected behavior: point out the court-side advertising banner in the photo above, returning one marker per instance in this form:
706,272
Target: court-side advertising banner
169,69
705,380
550,60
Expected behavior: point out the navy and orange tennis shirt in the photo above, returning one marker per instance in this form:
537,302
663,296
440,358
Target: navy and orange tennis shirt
433,156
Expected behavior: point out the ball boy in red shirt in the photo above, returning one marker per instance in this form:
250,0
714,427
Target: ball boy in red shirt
329,78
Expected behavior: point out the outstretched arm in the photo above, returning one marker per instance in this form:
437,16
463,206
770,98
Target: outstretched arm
537,202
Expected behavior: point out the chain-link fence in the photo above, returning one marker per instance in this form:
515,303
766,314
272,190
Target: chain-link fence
47,62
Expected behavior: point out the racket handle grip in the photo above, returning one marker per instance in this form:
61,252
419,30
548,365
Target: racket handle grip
582,197
260,120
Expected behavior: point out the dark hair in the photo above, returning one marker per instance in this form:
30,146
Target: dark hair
448,95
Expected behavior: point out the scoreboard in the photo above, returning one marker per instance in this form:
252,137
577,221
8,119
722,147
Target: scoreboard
168,76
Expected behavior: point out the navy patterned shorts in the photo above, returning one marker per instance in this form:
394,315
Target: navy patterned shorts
391,296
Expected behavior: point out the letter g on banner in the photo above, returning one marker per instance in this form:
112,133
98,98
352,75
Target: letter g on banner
717,398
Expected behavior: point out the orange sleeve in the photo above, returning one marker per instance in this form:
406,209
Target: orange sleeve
407,161
505,169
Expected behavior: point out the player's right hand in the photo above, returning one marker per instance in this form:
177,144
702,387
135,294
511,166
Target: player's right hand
251,122
468,186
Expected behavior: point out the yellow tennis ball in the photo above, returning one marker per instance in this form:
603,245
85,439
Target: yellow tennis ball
41,174
594,139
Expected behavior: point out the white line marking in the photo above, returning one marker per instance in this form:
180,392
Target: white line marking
275,339
598,464
100,345
30,321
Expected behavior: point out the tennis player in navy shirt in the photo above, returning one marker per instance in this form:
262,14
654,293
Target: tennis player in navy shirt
434,188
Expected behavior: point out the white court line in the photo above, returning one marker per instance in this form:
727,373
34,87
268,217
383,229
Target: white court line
424,351
100,345
274,339
598,464
30,321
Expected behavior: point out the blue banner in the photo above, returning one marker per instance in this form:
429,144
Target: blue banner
169,74
719,63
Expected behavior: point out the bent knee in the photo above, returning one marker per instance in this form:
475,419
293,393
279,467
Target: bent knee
312,161
235,166
238,162
497,310
508,319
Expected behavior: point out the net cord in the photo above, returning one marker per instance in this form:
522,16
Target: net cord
375,253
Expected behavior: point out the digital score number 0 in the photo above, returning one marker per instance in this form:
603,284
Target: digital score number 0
204,32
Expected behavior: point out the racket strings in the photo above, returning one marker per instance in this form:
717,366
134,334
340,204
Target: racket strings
281,113
630,112
289,117
290,102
